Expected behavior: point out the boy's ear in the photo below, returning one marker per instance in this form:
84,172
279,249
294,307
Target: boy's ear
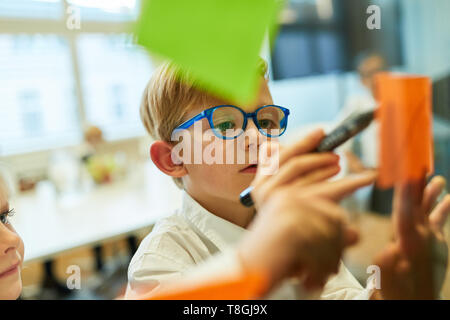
161,154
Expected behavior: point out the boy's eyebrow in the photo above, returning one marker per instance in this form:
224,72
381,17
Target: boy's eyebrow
266,103
256,106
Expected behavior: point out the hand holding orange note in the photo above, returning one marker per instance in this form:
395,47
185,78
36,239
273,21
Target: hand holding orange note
405,116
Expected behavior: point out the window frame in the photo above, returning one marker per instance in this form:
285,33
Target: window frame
51,26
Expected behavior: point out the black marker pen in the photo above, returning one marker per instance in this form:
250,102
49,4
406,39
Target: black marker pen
349,128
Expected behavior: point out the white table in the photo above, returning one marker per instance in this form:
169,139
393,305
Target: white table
50,226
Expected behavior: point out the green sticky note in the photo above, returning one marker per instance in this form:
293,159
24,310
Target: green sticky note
217,41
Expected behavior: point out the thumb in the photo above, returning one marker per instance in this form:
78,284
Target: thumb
439,215
351,237
268,157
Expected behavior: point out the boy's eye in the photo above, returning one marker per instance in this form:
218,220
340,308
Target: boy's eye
267,124
226,125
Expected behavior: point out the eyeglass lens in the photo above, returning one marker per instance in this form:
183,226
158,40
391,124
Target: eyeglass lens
229,121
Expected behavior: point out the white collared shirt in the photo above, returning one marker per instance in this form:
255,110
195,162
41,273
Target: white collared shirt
196,242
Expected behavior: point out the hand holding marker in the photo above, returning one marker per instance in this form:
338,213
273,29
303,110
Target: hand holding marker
346,130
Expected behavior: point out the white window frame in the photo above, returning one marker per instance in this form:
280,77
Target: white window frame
49,26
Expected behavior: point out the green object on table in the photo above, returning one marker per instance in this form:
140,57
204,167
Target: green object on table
101,168
217,41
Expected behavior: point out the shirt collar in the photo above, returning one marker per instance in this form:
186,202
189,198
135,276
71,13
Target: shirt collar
220,232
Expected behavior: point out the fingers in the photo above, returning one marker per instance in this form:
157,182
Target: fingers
407,211
354,163
404,277
337,190
351,237
298,166
395,274
388,258
318,175
267,151
440,214
402,215
307,144
337,216
328,224
432,192
315,281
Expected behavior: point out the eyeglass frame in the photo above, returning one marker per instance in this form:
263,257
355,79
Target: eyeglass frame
207,113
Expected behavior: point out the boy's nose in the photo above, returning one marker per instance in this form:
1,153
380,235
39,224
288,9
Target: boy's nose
252,136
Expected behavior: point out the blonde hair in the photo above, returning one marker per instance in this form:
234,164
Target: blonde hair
168,97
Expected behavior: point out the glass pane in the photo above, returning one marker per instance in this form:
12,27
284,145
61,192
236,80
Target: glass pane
293,56
306,11
106,10
48,9
227,120
327,42
114,73
270,118
38,109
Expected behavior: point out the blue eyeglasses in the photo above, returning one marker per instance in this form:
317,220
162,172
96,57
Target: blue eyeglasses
229,122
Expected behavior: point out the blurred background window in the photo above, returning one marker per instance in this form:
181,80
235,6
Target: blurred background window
95,75
38,106
107,10
57,80
42,9
312,29
114,73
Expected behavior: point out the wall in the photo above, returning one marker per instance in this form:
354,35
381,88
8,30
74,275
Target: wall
426,36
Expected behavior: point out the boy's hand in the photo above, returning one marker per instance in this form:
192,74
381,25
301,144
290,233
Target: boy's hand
296,165
301,233
354,163
414,266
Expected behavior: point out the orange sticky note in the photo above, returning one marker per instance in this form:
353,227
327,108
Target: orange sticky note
247,286
405,116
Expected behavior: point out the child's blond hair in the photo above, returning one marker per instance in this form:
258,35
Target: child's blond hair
168,96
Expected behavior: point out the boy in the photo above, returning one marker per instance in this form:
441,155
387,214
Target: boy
211,220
